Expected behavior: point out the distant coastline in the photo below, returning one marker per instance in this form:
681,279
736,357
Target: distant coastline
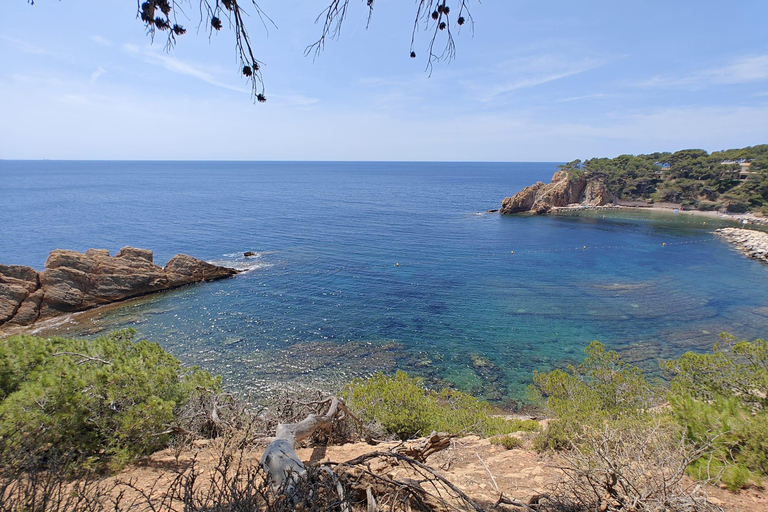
672,209
733,181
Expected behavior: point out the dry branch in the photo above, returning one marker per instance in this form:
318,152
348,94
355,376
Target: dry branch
280,460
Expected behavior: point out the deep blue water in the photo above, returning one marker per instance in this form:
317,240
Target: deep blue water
325,299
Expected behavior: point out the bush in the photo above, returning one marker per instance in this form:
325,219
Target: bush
719,398
601,389
717,401
737,206
508,442
406,409
638,465
707,206
97,402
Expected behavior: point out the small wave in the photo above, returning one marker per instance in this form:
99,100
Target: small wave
239,261
242,255
52,323
241,264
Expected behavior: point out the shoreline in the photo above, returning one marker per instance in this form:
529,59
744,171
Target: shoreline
744,218
749,242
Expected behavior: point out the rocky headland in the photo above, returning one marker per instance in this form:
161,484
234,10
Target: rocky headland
749,242
566,189
73,281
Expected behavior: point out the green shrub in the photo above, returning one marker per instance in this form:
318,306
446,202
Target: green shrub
719,398
601,389
508,442
100,402
707,206
403,406
717,401
737,206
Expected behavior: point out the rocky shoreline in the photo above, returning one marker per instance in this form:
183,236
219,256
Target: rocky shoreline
751,243
567,189
73,281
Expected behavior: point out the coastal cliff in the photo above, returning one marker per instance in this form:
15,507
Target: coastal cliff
73,281
567,188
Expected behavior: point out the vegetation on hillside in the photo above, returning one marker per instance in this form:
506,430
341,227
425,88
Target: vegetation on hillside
735,180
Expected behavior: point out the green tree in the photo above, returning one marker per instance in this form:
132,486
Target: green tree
601,389
98,402
719,398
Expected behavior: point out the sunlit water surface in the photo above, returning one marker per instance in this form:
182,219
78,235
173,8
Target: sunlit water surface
362,267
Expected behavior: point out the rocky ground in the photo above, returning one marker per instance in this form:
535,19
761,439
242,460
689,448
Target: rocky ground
480,469
751,243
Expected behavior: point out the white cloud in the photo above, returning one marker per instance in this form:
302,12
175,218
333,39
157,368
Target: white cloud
743,70
23,46
292,100
528,72
174,65
101,40
596,96
740,71
96,75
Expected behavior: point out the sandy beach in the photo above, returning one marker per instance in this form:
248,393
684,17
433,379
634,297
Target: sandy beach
744,218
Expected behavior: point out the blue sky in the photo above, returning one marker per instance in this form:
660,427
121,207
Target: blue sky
539,80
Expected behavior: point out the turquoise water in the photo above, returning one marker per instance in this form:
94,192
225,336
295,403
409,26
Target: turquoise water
325,299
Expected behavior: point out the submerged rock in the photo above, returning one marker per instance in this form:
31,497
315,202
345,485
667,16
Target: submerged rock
73,281
565,189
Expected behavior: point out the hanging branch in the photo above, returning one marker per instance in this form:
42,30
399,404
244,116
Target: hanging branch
433,16
162,15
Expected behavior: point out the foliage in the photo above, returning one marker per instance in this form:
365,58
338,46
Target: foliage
691,177
406,409
98,402
601,389
639,466
717,399
508,442
720,398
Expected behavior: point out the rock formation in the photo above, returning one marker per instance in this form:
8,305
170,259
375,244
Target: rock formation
751,243
73,281
565,189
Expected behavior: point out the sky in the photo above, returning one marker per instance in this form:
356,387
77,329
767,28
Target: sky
536,80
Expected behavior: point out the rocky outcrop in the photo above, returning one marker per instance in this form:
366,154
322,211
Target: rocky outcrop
564,190
751,243
73,281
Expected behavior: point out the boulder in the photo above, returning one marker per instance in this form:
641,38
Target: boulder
522,201
565,189
183,269
73,281
16,284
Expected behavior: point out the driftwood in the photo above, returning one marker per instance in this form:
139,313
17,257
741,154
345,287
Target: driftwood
280,461
366,480
432,444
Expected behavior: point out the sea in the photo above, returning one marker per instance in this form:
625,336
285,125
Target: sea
362,267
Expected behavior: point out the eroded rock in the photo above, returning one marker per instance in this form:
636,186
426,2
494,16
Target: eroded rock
564,190
73,281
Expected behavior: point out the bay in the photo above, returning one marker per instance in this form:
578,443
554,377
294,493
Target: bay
365,266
